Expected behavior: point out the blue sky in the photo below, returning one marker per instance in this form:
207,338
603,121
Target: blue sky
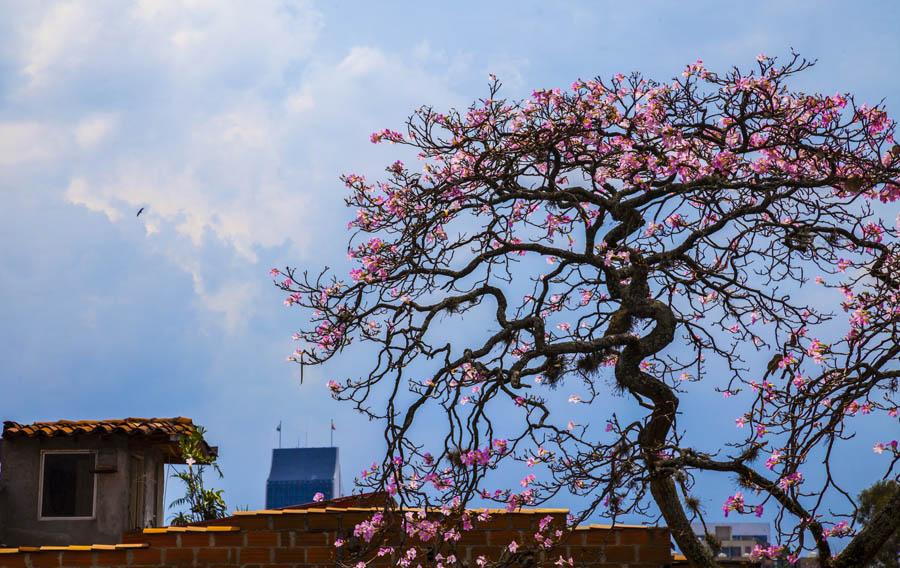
230,122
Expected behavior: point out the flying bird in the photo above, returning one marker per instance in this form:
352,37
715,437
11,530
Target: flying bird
141,210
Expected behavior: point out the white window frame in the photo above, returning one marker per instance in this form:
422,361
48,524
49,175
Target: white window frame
40,504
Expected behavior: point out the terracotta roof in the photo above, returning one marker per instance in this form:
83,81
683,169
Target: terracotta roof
610,527
191,529
373,499
73,547
130,426
126,546
320,510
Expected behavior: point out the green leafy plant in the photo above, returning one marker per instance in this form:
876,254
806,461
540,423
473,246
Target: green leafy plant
199,503
872,501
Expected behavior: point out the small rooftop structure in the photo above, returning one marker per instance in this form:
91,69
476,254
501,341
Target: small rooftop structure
297,474
66,481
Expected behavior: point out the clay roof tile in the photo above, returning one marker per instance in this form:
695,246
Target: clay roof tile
130,426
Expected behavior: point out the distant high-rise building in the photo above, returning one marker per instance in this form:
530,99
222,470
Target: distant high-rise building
297,474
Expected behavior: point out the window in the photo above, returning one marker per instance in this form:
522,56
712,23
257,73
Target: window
138,484
67,485
723,533
732,551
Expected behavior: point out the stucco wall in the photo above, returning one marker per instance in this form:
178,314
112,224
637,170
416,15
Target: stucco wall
20,482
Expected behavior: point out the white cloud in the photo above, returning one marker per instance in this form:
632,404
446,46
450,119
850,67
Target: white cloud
230,297
59,41
362,61
79,193
229,127
93,130
300,102
66,45
28,141
222,181
234,301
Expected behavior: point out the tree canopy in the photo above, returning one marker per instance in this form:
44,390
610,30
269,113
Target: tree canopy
870,502
664,232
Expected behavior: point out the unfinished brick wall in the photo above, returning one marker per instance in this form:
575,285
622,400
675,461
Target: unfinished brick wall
305,538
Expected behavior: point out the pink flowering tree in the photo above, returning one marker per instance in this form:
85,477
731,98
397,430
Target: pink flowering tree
631,237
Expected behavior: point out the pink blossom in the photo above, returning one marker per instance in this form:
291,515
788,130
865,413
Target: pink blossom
859,318
675,221
292,299
367,529
841,528
791,479
586,296
786,361
734,503
769,553
386,134
873,231
816,350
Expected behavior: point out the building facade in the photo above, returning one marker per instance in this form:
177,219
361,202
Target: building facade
737,540
297,474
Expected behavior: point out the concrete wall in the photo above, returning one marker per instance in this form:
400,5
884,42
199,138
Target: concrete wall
20,484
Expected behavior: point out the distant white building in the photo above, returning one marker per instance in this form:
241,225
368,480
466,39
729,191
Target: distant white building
737,539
